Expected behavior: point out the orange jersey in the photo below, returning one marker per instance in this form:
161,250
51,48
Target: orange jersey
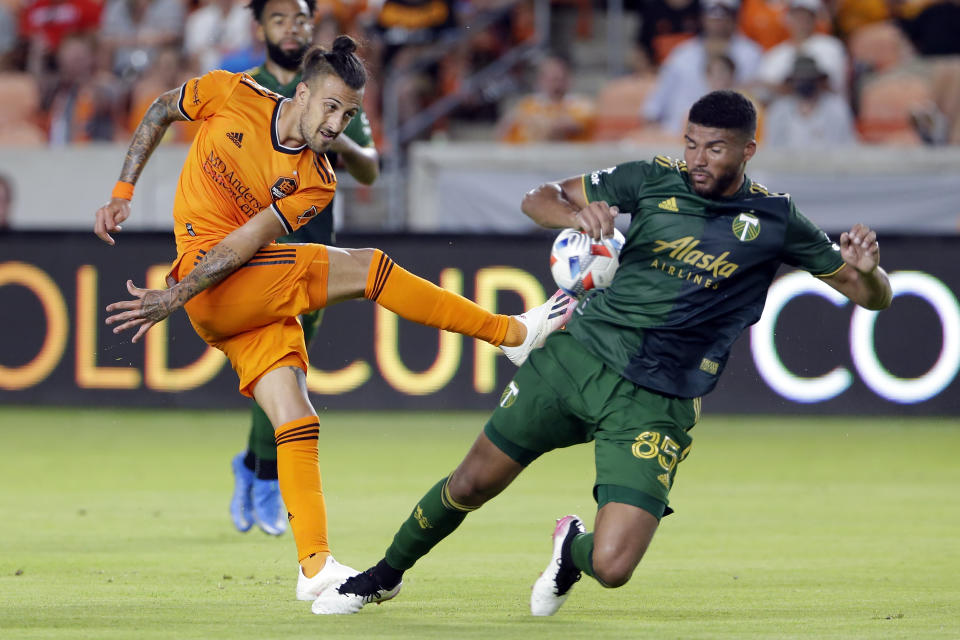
237,166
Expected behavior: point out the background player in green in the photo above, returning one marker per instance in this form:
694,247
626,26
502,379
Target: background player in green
286,28
702,248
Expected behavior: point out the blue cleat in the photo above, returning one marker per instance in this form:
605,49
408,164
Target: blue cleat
269,512
241,504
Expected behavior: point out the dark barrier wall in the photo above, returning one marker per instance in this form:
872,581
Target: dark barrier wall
812,352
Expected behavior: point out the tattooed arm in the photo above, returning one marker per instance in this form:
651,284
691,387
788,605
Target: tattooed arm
149,132
150,306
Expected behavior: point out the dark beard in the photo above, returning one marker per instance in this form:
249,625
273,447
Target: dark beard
722,183
289,60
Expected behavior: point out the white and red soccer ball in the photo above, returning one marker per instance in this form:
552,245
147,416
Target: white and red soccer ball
579,263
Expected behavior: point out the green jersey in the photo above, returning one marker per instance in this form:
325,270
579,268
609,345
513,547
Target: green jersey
693,273
320,229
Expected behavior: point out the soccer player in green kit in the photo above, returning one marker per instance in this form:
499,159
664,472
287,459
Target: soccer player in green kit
702,249
286,28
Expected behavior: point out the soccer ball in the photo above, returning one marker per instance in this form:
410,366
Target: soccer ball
579,263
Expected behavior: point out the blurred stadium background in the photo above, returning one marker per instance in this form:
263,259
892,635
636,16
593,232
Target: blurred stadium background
460,102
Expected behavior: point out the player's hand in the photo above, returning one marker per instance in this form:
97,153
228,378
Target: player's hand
109,217
596,219
148,307
859,248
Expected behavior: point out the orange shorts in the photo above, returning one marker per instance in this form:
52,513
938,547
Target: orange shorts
252,314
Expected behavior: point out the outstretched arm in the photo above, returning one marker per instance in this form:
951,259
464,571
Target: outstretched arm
862,280
149,132
363,163
150,306
558,205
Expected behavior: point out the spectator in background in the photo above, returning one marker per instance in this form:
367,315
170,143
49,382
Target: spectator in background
168,70
82,103
721,72
935,29
6,202
8,36
850,15
551,114
829,52
132,30
45,23
683,77
811,115
217,28
664,24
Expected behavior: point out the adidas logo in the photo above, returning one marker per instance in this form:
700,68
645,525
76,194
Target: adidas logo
235,138
670,204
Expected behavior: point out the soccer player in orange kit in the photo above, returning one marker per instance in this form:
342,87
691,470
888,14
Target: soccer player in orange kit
256,171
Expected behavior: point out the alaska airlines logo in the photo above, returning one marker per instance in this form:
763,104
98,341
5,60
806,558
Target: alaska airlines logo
685,250
746,227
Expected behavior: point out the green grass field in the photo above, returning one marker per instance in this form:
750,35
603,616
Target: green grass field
113,524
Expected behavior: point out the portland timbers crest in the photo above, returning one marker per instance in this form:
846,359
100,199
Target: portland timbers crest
509,394
746,227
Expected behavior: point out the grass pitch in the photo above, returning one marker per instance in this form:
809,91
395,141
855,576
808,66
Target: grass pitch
113,524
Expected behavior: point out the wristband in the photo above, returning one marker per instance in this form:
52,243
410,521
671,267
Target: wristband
122,190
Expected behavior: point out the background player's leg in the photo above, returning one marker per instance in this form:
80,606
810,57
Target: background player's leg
282,393
268,508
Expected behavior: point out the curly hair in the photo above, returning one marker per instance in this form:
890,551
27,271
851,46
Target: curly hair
725,109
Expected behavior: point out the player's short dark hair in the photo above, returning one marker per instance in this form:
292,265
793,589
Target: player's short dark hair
340,61
257,7
725,109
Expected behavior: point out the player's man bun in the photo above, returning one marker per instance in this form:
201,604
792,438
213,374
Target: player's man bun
340,61
344,44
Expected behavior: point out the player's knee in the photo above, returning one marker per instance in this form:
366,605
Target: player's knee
612,569
468,490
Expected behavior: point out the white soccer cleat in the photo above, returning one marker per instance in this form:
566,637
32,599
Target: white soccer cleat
541,322
333,573
351,596
553,586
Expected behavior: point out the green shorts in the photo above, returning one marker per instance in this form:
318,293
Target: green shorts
564,395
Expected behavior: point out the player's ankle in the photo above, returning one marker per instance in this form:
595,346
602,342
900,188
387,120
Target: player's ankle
313,564
516,333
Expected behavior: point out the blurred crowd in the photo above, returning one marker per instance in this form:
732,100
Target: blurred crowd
823,72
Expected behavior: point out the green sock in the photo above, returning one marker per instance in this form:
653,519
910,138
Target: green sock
262,443
582,551
433,519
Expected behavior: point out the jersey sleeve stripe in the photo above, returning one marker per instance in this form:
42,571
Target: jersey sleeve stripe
183,94
283,221
583,185
832,273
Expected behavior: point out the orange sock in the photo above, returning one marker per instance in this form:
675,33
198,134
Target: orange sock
299,472
411,297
